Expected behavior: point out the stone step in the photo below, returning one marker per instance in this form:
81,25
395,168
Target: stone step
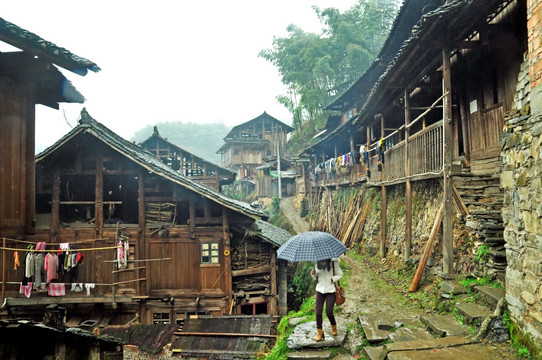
431,344
310,355
490,295
373,333
374,353
472,312
443,325
481,351
304,336
409,334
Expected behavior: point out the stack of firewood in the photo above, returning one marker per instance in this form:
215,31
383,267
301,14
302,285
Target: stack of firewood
159,211
250,254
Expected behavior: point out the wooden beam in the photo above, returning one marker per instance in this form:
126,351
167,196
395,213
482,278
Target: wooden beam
192,216
55,206
196,333
227,258
98,201
447,243
408,186
427,251
30,168
273,280
384,211
259,270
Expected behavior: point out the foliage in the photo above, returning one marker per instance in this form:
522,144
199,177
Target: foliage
276,217
481,253
200,139
302,282
304,208
317,67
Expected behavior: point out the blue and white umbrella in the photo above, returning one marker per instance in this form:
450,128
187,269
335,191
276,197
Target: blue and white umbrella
311,246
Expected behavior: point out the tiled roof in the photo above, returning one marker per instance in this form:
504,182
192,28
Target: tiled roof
145,159
37,46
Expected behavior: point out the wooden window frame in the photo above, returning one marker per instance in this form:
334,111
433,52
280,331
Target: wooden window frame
212,253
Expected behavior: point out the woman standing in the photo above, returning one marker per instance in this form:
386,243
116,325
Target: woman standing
326,273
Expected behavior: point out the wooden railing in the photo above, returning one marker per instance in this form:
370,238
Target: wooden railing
426,159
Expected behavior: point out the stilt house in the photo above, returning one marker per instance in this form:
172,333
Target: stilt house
27,78
186,249
192,166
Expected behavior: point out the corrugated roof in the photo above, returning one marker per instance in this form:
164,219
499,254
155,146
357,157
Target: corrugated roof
35,45
145,159
149,338
223,347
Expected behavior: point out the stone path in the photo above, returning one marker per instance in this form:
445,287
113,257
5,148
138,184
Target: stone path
291,213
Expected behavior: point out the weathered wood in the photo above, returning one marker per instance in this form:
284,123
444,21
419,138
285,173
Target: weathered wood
447,242
141,245
273,281
427,251
98,213
259,270
55,206
196,333
227,258
3,269
30,167
384,211
408,187
192,216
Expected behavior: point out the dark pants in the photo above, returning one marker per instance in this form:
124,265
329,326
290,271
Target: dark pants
329,299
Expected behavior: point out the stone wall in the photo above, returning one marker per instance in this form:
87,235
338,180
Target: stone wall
521,180
132,352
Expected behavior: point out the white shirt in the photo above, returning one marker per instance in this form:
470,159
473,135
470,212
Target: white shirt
326,279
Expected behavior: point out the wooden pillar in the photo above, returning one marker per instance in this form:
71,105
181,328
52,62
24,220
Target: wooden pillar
368,150
283,287
30,169
464,112
447,243
99,199
206,210
3,269
192,216
384,218
55,206
141,248
408,187
227,259
273,280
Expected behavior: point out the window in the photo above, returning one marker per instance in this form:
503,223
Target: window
210,253
160,318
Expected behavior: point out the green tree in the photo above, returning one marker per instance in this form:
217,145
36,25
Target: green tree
316,68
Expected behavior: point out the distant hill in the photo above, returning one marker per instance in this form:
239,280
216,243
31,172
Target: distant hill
200,139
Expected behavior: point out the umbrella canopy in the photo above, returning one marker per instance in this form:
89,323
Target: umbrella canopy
311,246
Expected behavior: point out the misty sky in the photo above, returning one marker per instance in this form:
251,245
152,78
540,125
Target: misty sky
191,61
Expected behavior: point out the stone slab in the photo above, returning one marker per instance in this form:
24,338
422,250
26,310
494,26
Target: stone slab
371,330
310,355
490,295
452,287
304,336
472,351
416,345
409,334
373,353
473,312
443,325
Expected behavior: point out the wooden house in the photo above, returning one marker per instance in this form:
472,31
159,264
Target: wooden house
266,178
247,145
188,248
192,166
432,107
27,78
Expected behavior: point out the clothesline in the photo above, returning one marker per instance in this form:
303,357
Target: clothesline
71,242
62,250
18,283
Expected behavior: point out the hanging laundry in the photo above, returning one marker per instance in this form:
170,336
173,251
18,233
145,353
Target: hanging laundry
50,266
25,289
80,257
89,286
39,269
77,287
16,262
29,265
56,289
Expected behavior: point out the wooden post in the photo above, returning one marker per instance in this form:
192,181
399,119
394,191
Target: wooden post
30,168
3,270
368,150
408,212
464,112
99,199
227,258
141,249
55,206
447,242
192,216
273,280
283,287
384,199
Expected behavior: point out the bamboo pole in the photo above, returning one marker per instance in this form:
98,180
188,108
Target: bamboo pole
427,251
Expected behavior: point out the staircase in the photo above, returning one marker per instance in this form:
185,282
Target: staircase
483,198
